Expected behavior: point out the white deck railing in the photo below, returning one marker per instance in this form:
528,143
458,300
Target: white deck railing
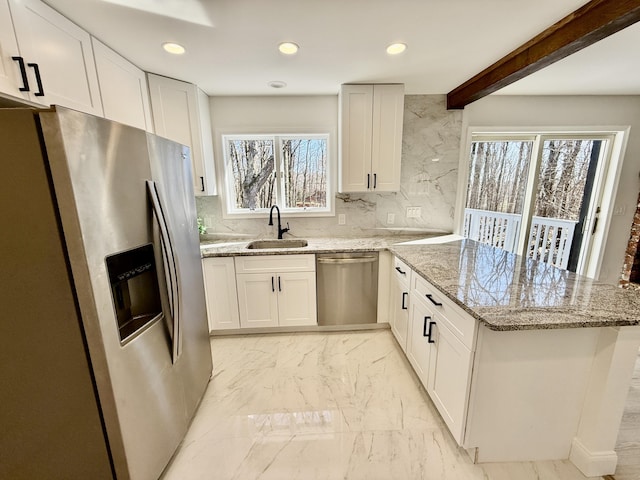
549,241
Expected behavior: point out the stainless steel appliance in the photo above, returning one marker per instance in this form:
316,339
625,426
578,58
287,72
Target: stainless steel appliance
104,346
347,285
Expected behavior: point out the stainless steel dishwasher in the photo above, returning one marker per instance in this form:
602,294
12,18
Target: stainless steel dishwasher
347,286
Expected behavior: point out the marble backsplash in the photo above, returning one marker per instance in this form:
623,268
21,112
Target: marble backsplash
429,176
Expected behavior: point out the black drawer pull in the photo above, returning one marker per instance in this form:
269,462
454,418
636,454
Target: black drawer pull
404,295
427,329
400,271
279,286
430,297
36,69
202,184
273,287
368,180
375,180
23,74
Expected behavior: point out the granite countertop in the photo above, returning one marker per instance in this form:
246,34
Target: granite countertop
509,292
236,247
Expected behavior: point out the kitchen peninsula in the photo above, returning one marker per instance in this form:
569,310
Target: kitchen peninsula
548,357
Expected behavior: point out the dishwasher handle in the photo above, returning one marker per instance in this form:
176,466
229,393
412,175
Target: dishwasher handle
343,261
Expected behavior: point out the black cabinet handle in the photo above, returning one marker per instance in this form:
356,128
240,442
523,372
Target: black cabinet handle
427,330
279,286
368,180
273,287
23,74
202,184
36,69
430,297
404,295
375,180
400,271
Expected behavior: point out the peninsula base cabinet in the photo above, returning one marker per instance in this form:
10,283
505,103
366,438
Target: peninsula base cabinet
399,302
276,290
522,395
439,356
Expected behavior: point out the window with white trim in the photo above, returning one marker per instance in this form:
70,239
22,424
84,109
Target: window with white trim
291,171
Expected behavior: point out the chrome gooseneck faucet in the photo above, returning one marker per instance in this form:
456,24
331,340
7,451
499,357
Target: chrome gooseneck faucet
280,229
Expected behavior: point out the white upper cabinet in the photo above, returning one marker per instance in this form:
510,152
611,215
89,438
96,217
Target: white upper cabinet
10,79
371,118
57,57
123,88
180,112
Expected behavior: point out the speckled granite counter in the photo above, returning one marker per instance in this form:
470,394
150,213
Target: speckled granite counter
231,247
508,292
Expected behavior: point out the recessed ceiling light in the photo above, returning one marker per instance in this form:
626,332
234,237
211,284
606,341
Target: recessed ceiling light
288,48
277,84
174,48
396,48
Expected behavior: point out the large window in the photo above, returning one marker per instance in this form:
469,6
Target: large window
288,170
537,195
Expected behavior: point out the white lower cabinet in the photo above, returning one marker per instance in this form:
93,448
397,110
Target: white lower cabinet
276,290
220,290
449,377
440,347
399,304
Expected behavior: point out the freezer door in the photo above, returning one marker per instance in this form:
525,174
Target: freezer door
171,169
99,171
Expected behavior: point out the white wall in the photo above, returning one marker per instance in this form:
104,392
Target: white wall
597,111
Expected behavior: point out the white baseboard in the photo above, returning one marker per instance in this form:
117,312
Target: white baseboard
592,464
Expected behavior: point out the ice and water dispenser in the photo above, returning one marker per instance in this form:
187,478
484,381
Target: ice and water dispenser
134,287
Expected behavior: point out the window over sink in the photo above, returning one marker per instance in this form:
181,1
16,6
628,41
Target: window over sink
291,171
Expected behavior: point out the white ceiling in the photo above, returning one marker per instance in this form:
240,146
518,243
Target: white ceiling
232,44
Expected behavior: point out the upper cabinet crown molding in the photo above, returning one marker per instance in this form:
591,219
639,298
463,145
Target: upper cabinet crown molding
123,88
54,60
371,120
181,113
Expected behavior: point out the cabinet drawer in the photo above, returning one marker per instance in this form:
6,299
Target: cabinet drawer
401,272
461,324
275,263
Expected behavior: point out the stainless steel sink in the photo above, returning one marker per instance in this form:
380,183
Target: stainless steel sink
287,243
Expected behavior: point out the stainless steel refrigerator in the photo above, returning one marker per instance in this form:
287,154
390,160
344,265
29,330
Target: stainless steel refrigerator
104,352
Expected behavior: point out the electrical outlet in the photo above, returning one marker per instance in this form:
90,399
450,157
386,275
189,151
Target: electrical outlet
414,212
342,219
391,218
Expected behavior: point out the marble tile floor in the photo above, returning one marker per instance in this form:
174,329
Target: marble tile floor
326,406
628,444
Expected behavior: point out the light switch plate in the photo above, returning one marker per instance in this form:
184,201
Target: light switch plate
342,219
391,218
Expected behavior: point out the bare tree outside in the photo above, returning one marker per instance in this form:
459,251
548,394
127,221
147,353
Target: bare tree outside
563,176
498,175
305,172
256,166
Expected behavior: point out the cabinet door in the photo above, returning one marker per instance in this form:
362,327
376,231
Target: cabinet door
386,148
10,77
257,300
449,378
177,108
221,293
123,88
356,109
400,312
61,53
297,298
418,346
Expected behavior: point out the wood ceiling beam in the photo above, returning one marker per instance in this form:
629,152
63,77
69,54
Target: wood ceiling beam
588,24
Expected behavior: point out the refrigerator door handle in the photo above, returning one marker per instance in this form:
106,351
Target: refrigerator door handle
172,266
